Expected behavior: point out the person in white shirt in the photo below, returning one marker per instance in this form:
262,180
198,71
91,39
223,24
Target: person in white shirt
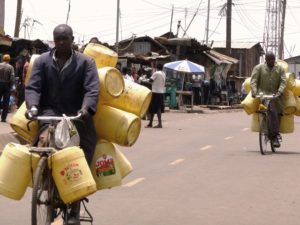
126,75
158,80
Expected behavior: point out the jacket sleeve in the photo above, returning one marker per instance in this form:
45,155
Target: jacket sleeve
254,79
283,81
34,86
91,87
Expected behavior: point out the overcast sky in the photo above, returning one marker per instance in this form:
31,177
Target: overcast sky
97,18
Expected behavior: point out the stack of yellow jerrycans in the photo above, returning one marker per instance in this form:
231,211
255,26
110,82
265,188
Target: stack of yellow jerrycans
290,101
120,108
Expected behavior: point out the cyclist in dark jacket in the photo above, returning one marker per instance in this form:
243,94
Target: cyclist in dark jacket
65,81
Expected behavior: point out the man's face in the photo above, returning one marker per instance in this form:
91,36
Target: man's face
63,41
270,60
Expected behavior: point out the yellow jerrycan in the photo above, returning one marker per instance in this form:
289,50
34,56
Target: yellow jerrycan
134,99
124,164
111,83
16,166
247,85
296,89
32,60
102,55
290,81
297,99
289,103
18,123
118,126
72,174
104,167
250,104
283,64
286,124
255,122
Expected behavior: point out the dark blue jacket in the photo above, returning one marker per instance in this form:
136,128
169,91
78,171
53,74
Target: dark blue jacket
68,91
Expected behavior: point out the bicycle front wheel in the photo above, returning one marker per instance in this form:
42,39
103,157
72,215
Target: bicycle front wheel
264,141
41,206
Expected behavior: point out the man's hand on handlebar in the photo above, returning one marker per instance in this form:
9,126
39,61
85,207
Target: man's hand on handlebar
84,113
31,113
278,95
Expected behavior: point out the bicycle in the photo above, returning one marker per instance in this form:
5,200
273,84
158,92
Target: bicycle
47,205
265,140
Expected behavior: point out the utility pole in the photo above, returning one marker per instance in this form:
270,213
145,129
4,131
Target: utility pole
171,18
281,42
228,27
207,21
18,18
68,13
117,28
2,16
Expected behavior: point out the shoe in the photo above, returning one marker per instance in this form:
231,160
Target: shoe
73,221
3,121
148,126
275,142
158,126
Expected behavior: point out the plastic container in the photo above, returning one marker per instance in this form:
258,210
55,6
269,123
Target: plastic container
28,73
116,125
111,83
296,89
290,81
124,165
102,55
250,104
134,99
247,85
284,65
255,122
105,167
18,123
297,99
16,170
286,124
289,103
72,174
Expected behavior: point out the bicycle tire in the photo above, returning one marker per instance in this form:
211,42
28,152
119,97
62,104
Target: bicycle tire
263,137
272,146
41,207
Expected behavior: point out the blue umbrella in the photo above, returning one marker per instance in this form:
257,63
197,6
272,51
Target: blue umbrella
185,66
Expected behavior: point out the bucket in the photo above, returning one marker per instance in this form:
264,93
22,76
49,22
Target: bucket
247,85
297,99
290,81
134,99
250,104
32,59
116,125
105,167
289,103
286,124
296,89
124,165
71,174
111,83
18,123
102,55
283,64
255,122
16,166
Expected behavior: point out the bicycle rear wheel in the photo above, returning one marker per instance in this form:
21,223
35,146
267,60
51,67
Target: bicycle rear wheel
42,212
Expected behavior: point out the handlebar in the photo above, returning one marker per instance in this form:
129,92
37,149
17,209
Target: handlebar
57,118
267,97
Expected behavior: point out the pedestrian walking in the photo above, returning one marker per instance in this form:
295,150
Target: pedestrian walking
7,79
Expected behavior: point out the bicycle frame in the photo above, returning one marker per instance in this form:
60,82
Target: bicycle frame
44,185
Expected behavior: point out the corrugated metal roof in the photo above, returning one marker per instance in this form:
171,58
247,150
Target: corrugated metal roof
241,45
220,58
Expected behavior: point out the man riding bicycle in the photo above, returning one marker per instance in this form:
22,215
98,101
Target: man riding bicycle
269,78
64,81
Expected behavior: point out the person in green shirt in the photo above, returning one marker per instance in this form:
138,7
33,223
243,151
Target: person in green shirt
269,78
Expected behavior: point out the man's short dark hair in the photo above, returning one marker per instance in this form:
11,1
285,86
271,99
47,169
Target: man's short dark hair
159,66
